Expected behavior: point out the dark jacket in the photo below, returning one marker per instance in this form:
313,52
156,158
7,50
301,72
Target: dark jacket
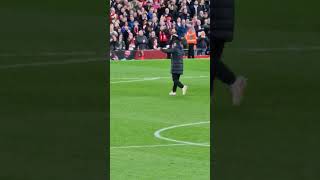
222,20
203,42
142,42
176,59
181,30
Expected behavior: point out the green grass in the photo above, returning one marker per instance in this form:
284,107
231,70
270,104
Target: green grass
138,109
53,117
272,135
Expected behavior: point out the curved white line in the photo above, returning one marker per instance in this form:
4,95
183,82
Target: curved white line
157,134
147,146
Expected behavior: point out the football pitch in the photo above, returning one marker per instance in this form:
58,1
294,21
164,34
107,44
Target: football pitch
154,135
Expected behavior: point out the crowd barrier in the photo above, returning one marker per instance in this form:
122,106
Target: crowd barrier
148,54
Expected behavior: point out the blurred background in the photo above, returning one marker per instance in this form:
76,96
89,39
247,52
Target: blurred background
273,134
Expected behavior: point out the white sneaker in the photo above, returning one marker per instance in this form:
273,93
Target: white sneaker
184,90
172,93
237,90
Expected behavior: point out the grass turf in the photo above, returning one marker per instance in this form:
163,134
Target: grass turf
53,117
272,135
139,108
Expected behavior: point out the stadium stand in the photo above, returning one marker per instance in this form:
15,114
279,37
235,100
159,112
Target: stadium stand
151,24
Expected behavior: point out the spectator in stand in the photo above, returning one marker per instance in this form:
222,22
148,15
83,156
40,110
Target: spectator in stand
203,43
204,5
136,28
114,45
163,36
206,26
201,17
191,38
131,42
198,28
153,41
195,9
174,11
159,17
182,28
184,14
121,43
131,21
141,41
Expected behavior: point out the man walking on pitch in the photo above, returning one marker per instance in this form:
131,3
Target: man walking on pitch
176,66
222,32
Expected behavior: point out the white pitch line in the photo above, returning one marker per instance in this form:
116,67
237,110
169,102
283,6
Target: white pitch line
71,53
136,80
157,134
152,79
70,61
147,146
294,49
133,78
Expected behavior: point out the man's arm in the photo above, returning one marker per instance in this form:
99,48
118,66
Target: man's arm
166,50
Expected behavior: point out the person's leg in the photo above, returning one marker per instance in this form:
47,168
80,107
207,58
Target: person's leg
174,79
223,73
178,83
192,50
189,51
220,70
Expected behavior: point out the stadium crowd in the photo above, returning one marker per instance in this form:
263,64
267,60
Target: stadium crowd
151,24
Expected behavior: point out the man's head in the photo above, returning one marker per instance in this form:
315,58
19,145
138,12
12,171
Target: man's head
130,35
173,31
119,6
112,11
140,33
198,22
205,15
201,14
183,22
123,10
167,11
135,14
154,19
131,18
153,34
185,11
178,20
203,34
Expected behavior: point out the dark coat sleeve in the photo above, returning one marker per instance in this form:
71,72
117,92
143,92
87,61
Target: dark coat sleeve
222,13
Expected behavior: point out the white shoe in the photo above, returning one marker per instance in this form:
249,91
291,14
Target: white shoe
184,90
172,93
237,90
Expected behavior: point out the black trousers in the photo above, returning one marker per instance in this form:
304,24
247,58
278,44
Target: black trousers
176,82
191,51
218,68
